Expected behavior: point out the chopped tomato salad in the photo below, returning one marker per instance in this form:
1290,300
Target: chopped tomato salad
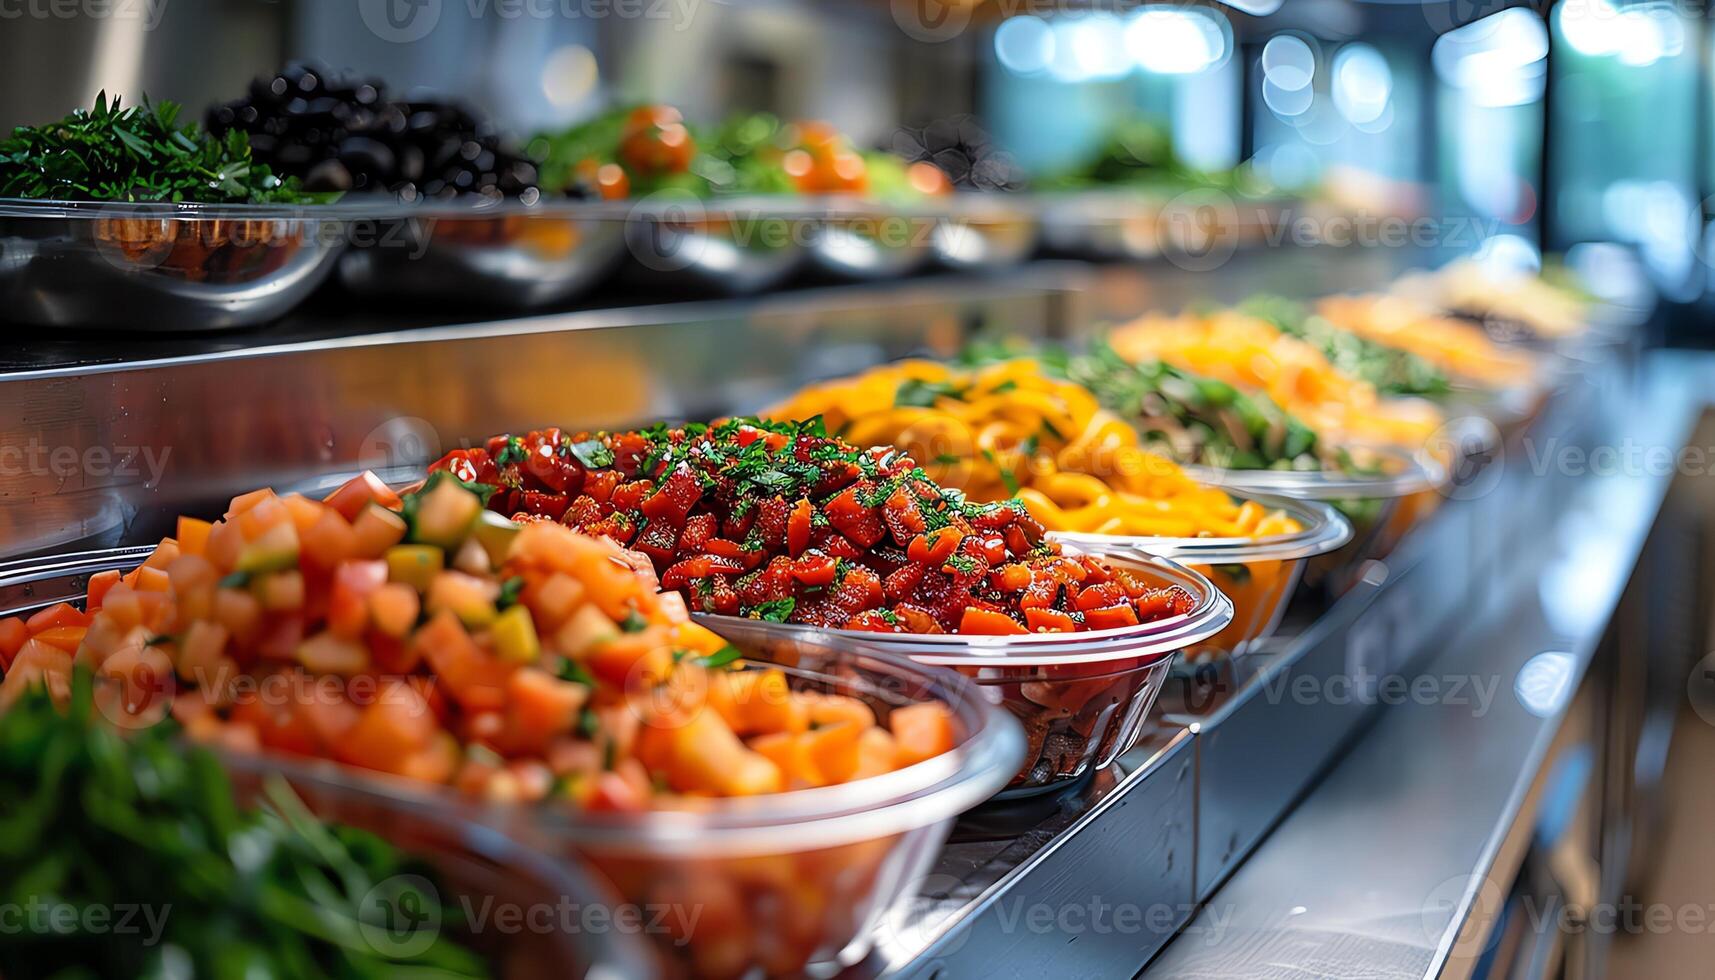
780,521
428,638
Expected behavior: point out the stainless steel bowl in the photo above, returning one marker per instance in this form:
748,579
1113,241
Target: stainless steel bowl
508,256
985,232
161,267
734,249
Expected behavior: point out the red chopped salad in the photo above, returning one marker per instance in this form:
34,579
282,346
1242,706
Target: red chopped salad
781,521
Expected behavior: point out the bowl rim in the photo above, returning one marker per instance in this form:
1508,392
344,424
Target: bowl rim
1148,642
1323,529
1417,473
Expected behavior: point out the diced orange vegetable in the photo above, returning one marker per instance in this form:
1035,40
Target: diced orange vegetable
878,753
921,731
394,607
99,583
348,602
477,680
390,731
832,709
193,536
790,752
66,638
13,633
329,540
163,555
1049,621
150,579
374,530
539,708
245,501
37,663
834,750
704,756
754,702
359,492
987,622
61,614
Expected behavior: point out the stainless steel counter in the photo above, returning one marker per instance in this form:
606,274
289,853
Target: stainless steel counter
1400,863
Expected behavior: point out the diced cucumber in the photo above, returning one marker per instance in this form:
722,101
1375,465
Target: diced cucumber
495,533
445,514
276,550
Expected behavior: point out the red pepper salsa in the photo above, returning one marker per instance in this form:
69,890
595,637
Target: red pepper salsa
780,521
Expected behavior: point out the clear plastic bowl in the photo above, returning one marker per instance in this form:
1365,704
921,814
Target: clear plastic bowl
1381,508
528,915
1258,575
776,885
1081,697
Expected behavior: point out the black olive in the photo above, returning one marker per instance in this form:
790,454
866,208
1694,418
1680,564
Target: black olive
329,175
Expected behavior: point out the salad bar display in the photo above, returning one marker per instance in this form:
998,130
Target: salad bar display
808,628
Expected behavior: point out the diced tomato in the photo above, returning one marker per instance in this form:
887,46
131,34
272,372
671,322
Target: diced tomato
874,621
550,505
689,570
627,496
599,485
348,603
723,548
986,622
851,518
355,494
798,526
675,498
934,547
904,516
699,528
659,541
814,569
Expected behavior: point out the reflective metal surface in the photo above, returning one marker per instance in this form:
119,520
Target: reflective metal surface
148,269
1399,863
512,261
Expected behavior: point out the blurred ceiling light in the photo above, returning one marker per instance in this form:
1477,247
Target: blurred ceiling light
1497,61
1256,8
569,75
1288,69
1363,83
1024,45
1289,62
1087,48
1177,40
1639,35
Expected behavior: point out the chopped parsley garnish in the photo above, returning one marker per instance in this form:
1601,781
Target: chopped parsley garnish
571,670
633,623
720,658
510,590
593,453
775,610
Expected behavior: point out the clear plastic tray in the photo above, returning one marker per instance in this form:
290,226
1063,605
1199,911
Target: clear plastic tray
1081,697
1258,575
